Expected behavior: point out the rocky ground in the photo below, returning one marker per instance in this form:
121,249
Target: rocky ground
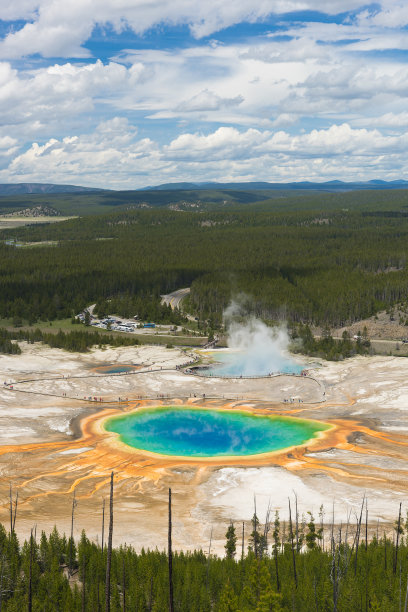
391,325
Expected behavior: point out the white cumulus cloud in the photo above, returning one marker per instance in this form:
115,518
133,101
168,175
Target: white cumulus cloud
58,28
310,100
114,155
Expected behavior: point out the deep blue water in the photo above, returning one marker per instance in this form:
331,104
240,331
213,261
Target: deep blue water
210,433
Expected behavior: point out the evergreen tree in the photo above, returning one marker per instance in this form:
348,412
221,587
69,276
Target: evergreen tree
228,599
231,543
258,593
313,536
257,540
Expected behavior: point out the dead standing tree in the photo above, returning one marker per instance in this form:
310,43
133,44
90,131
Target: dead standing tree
30,576
292,545
11,510
109,552
170,554
335,570
399,530
358,531
71,541
13,514
83,603
267,528
103,523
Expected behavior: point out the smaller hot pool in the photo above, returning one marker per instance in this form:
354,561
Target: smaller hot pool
116,368
234,364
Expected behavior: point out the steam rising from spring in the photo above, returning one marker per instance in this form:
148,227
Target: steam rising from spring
258,350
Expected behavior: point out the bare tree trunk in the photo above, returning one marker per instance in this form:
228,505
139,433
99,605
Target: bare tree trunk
72,516
292,546
334,576
346,542
267,527
109,554
283,537
297,524
170,554
385,552
71,542
366,527
83,584
397,542
15,511
358,536
321,512
255,523
30,576
400,589
103,523
11,510
243,540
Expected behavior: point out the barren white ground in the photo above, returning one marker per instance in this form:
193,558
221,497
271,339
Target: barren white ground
372,391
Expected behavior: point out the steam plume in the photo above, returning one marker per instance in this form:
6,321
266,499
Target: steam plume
260,349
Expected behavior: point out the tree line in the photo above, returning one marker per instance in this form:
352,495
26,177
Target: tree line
316,266
328,347
302,564
75,341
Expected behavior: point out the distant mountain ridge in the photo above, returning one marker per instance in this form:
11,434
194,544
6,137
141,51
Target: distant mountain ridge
8,189
295,186
16,189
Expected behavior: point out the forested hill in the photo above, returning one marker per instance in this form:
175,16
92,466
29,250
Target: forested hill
99,202
327,186
22,188
96,202
332,260
7,189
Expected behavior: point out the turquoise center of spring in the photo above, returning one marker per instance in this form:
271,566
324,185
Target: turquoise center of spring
199,432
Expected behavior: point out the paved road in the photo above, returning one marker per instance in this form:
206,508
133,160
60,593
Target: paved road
175,298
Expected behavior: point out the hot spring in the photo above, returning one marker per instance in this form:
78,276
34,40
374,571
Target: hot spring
237,363
116,368
256,349
187,432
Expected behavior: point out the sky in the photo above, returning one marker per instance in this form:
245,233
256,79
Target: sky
123,94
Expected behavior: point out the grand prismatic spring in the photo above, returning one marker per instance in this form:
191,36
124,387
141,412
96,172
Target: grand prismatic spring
185,432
